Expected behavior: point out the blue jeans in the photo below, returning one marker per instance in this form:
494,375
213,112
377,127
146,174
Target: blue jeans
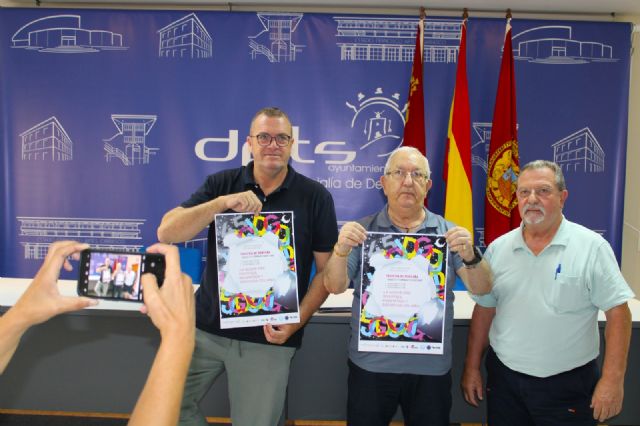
515,398
374,398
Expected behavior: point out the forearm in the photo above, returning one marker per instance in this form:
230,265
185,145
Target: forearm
478,339
181,224
335,277
160,400
477,279
12,327
315,297
617,339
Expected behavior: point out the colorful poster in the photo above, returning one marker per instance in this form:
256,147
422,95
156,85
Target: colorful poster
257,281
403,293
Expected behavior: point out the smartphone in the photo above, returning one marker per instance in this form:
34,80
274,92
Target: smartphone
115,275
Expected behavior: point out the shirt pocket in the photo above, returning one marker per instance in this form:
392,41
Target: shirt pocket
567,294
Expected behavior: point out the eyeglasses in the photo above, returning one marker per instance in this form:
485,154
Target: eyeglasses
416,175
264,139
542,192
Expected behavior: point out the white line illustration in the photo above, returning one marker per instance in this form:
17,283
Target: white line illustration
134,130
39,232
579,152
275,40
380,118
393,40
554,44
480,147
38,251
46,141
64,34
185,38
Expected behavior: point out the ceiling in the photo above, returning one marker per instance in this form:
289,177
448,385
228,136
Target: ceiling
579,7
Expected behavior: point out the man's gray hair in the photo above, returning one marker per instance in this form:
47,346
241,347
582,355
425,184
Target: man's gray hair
546,164
408,150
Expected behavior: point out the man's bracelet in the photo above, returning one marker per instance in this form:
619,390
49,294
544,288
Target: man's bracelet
337,253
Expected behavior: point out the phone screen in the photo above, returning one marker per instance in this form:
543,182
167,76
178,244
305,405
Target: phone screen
114,275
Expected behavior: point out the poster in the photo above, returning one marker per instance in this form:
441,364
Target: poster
403,293
257,281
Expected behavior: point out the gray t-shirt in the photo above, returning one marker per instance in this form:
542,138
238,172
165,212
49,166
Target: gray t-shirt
401,363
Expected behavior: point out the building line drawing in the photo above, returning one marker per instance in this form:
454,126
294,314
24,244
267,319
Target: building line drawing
120,234
64,34
275,40
554,44
393,40
579,152
185,38
380,117
48,141
483,133
134,130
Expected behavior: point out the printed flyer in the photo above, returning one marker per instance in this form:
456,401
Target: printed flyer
257,281
403,293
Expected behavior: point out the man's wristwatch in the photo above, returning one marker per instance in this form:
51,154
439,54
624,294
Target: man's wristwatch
477,259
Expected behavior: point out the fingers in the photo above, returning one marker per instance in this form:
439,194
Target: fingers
171,258
149,289
59,252
277,334
68,304
352,234
244,202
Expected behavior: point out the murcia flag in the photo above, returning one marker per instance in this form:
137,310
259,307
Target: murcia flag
414,133
503,165
458,206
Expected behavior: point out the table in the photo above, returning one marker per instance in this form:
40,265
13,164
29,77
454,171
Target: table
97,360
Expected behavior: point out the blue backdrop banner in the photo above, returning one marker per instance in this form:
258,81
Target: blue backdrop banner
111,118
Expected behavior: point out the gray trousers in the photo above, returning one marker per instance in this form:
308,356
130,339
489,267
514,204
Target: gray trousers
257,375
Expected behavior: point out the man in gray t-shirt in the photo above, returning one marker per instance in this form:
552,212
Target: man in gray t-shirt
419,383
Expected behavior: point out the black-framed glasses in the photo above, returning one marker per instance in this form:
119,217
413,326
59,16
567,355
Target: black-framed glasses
416,175
264,139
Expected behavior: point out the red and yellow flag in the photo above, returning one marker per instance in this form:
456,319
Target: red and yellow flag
414,132
503,164
458,206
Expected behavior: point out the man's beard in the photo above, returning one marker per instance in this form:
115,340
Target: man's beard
540,214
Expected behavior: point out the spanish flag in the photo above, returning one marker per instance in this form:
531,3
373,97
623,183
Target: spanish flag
457,168
503,164
414,132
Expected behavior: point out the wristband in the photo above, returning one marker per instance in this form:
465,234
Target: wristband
337,253
477,259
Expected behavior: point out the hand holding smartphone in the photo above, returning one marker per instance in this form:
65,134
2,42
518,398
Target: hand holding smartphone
115,275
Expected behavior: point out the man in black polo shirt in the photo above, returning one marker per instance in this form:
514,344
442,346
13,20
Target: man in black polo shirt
256,359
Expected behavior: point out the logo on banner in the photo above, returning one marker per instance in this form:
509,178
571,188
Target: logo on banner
64,34
178,40
556,45
501,177
274,41
379,120
132,136
47,141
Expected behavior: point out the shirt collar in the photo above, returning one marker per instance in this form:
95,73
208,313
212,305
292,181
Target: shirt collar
429,221
561,238
249,181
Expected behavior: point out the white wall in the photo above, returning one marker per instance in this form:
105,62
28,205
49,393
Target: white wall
631,230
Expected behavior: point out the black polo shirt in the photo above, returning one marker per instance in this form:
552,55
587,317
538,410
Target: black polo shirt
315,228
